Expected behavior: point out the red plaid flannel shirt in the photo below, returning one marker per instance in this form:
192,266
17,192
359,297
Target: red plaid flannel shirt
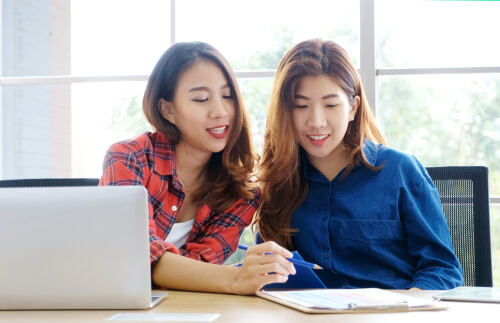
149,160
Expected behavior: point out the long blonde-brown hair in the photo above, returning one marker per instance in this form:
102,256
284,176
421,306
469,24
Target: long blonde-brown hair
283,185
226,175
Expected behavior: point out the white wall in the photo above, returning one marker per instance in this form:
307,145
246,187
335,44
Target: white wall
31,123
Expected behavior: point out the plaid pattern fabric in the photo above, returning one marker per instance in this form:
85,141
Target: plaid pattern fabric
149,160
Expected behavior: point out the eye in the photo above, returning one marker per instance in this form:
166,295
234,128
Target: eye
229,96
200,100
301,106
331,105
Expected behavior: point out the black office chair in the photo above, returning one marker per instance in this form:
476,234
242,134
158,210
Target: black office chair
44,182
465,198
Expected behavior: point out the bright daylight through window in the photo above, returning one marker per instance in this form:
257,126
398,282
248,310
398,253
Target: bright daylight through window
73,74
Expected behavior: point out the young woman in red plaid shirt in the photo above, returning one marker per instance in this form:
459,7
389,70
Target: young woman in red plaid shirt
196,168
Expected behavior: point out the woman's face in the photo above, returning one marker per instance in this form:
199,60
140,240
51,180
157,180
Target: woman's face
203,108
320,117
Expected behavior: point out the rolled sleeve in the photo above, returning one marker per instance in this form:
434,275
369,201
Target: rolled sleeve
429,241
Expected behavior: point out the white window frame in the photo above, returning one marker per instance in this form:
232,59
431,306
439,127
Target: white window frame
368,66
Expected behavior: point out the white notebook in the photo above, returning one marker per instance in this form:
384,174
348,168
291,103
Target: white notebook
75,248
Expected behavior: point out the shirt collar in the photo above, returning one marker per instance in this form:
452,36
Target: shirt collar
164,154
371,152
311,173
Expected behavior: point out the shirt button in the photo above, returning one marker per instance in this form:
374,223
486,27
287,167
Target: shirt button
327,255
174,208
325,218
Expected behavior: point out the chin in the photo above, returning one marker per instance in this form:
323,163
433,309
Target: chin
218,149
316,153
215,151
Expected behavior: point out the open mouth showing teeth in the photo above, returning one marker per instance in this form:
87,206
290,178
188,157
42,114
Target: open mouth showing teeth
218,130
318,137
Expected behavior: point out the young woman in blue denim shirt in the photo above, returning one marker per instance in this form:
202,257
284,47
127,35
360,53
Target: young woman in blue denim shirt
368,214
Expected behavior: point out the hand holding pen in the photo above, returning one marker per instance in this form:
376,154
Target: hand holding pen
265,263
292,260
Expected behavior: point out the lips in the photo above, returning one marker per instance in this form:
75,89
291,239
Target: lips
318,140
218,132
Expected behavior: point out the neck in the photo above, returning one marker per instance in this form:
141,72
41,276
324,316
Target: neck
190,163
331,165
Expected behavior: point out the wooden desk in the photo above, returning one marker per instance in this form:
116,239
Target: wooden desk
241,309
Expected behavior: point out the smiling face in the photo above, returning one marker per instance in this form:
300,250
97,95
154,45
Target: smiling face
320,116
203,108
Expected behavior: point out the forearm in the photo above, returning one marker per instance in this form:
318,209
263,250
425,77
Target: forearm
182,273
264,264
438,278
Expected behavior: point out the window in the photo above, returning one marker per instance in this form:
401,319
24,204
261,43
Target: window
437,87
72,73
254,35
118,37
431,34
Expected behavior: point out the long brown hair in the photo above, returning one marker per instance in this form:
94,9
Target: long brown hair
226,175
283,185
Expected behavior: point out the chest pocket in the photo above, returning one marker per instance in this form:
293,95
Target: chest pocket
373,248
364,230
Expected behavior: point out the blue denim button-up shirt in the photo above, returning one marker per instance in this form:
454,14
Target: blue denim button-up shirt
381,229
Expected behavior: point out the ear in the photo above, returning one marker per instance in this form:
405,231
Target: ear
354,107
166,110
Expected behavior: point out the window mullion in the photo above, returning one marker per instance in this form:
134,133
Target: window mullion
368,66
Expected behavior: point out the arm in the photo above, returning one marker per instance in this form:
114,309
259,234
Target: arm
124,165
429,242
178,272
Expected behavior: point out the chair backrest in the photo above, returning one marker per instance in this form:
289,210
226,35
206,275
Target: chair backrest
44,182
465,198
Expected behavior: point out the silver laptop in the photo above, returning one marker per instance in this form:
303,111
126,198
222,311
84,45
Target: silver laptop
75,248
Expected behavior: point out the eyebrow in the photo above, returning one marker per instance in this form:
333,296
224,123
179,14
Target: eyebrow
329,96
205,88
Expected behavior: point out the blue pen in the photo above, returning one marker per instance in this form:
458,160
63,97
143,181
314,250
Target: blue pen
292,260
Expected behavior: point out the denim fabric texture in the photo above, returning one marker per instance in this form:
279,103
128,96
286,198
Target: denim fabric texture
382,229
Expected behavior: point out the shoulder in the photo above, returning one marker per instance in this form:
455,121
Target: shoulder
253,198
148,149
249,204
395,162
145,140
381,155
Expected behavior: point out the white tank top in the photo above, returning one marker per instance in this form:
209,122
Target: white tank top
179,233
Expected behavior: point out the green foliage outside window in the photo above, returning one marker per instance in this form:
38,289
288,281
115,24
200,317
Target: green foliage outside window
423,115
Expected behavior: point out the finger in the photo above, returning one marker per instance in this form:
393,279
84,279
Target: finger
267,279
270,268
275,258
263,281
252,279
270,247
252,259
259,265
273,278
269,258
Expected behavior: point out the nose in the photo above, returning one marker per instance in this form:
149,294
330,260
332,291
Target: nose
316,118
218,109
